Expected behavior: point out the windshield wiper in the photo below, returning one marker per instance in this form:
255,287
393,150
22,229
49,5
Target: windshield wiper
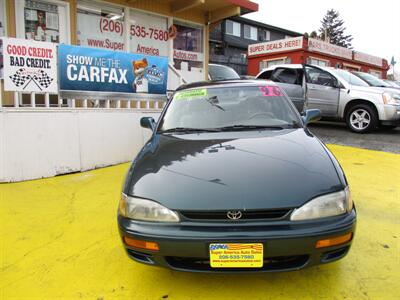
187,130
248,127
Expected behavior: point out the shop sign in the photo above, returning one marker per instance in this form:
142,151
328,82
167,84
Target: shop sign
30,66
369,59
188,55
327,48
99,32
98,70
148,34
275,46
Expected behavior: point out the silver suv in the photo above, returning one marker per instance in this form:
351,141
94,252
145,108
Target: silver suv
339,94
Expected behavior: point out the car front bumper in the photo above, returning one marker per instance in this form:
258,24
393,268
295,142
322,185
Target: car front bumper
287,246
390,115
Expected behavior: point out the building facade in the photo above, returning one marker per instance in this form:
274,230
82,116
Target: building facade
176,29
230,39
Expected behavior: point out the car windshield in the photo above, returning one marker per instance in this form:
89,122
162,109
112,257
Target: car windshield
350,78
229,108
372,80
222,73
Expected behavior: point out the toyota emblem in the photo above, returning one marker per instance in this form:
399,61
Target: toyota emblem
234,214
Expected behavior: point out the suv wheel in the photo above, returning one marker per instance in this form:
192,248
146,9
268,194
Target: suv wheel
361,118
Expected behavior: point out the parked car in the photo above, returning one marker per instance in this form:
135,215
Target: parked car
209,191
373,80
221,72
339,94
392,83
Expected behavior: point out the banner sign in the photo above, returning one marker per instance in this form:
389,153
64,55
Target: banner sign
98,70
29,66
369,59
275,46
327,48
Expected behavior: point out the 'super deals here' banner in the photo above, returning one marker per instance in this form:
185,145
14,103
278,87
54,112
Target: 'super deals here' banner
97,70
29,66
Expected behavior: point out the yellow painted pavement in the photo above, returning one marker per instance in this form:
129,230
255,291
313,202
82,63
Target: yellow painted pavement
59,240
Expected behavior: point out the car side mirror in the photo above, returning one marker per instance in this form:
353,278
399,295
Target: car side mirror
148,122
311,116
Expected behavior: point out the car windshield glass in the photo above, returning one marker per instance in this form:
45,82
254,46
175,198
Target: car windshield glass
222,73
372,80
350,78
229,108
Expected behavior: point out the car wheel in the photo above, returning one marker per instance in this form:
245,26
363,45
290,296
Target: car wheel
361,118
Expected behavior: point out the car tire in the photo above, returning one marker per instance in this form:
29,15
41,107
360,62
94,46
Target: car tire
362,118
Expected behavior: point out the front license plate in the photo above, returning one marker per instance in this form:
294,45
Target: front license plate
236,255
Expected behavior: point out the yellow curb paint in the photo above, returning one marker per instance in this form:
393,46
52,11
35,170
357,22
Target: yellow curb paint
59,239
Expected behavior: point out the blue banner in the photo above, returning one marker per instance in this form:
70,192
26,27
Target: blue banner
98,70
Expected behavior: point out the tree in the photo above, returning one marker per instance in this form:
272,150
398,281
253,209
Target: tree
332,29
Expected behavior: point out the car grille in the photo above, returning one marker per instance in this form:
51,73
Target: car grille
280,263
246,215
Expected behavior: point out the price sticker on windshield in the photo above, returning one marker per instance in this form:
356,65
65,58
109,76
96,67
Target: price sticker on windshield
191,94
270,91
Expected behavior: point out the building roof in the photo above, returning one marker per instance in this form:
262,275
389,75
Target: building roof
265,26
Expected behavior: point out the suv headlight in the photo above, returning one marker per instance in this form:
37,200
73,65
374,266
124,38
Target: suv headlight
391,98
324,206
145,210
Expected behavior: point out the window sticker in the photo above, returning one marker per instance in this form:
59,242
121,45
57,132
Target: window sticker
270,91
191,94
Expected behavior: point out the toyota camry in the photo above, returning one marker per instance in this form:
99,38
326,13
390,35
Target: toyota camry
232,180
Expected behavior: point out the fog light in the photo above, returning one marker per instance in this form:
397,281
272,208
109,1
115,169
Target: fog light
334,241
141,244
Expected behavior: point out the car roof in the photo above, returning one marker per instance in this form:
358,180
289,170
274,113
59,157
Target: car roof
225,83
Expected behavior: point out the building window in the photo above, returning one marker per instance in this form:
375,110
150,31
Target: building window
318,62
188,51
266,35
376,73
250,32
100,26
43,20
232,28
3,19
271,62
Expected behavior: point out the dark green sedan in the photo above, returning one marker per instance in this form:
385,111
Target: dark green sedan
232,180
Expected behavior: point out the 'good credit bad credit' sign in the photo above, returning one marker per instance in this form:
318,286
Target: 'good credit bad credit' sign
98,70
276,46
29,66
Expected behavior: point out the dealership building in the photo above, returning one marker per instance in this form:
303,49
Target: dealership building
301,50
176,29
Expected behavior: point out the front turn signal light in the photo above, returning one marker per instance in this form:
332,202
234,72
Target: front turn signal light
153,246
334,241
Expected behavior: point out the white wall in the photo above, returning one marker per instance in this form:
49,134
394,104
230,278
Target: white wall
36,143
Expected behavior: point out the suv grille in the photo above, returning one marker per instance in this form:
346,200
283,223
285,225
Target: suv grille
246,215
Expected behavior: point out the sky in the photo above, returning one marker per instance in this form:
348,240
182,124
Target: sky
374,25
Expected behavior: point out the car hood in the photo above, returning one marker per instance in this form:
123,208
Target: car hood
241,170
375,89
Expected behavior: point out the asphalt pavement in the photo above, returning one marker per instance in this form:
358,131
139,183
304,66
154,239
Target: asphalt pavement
337,133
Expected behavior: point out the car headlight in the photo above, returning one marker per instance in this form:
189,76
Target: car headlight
391,98
145,210
324,206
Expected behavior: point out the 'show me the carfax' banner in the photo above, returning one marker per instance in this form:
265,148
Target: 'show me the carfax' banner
97,70
29,66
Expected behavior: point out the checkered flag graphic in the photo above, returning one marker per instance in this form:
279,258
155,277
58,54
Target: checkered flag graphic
43,79
19,78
